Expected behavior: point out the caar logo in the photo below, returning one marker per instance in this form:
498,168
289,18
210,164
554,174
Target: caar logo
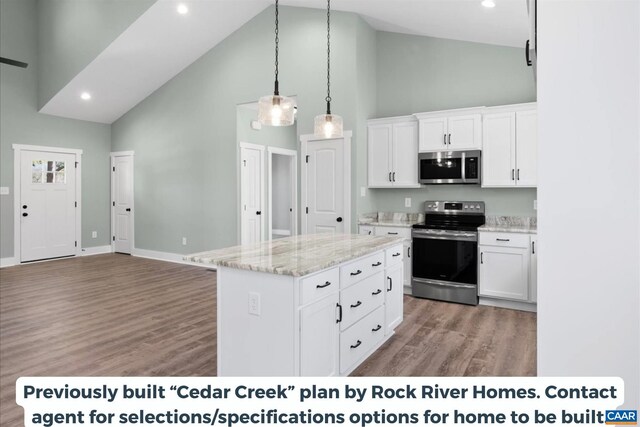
621,418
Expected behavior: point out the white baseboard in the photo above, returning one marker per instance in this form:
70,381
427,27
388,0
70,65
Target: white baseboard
96,250
7,262
514,305
168,256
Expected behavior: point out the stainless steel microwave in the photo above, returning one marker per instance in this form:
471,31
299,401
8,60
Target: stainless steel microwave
449,167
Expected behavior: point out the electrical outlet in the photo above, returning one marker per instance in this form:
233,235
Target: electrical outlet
363,191
407,202
184,241
535,205
254,303
4,191
94,234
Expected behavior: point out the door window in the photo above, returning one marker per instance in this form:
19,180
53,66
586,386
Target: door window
48,172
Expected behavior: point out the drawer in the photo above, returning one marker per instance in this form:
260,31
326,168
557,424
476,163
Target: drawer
394,255
394,231
361,299
319,285
513,240
366,229
360,269
358,340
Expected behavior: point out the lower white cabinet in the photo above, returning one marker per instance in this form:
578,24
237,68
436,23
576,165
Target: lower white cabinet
394,231
319,338
393,298
533,274
507,266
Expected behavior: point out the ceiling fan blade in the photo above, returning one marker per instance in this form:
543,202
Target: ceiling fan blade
13,62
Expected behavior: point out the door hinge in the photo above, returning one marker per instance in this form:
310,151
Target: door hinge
245,163
114,168
306,210
114,238
76,204
306,159
114,203
76,244
76,165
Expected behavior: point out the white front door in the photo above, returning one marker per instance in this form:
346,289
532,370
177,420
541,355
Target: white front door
47,205
251,190
122,203
326,182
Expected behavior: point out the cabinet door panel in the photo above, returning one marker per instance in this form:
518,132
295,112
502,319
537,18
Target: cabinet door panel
319,338
393,298
527,148
533,274
504,273
498,149
407,264
432,134
405,155
379,155
465,131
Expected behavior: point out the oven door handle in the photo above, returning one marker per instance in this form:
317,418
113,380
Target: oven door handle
468,237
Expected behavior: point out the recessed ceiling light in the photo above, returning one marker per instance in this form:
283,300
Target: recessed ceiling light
488,3
183,9
85,95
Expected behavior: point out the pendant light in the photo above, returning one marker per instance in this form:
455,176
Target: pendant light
328,125
276,110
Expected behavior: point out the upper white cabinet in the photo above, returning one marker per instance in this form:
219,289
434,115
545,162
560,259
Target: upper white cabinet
450,130
393,152
509,146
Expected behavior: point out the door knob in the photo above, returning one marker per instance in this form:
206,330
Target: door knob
339,219
24,206
128,209
259,213
25,214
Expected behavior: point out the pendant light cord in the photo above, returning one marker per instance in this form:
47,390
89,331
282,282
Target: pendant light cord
328,98
276,89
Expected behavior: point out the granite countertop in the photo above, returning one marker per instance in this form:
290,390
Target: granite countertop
296,255
510,224
391,219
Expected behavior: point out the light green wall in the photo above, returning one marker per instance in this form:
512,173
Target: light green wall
269,136
416,74
20,123
184,134
71,33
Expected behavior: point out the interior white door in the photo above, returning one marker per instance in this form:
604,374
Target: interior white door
433,134
464,132
325,187
405,155
122,204
251,175
527,148
498,150
47,205
379,155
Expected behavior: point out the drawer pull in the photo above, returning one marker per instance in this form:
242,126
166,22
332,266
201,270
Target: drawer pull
376,329
393,233
396,254
390,284
358,304
357,344
339,319
376,264
502,240
323,286
356,273
376,292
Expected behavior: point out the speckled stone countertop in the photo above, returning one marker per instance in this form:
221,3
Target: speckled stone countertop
510,224
296,255
391,219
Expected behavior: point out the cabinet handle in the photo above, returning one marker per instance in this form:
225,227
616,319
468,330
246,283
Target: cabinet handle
377,328
502,240
390,284
391,232
449,139
339,319
369,232
376,264
518,175
376,292
444,139
526,54
481,258
409,252
323,286
358,304
533,247
513,176
357,344
396,254
389,176
394,177
356,273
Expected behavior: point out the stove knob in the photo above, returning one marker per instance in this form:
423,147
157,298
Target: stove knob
477,206
467,206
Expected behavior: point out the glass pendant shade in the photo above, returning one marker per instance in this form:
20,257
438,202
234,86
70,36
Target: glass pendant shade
276,110
328,126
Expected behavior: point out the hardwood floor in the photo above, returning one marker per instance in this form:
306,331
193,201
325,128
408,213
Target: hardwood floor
116,315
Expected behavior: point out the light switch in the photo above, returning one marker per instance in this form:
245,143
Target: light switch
407,202
254,303
363,191
4,191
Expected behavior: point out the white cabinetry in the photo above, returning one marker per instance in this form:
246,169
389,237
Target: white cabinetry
450,130
509,142
393,153
533,273
394,231
319,339
393,297
507,266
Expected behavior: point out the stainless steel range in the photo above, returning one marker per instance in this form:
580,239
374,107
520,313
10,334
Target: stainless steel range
445,252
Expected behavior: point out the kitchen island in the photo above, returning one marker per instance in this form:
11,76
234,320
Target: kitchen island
310,305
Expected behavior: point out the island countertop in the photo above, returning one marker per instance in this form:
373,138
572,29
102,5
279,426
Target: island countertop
296,255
